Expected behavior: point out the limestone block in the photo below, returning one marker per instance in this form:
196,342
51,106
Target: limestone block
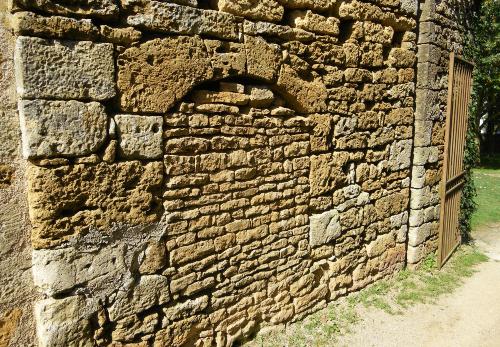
83,8
399,57
260,96
283,32
324,228
327,173
31,24
381,245
409,7
61,128
65,201
59,270
306,93
400,155
64,69
321,5
172,18
263,59
154,76
207,97
120,36
64,322
316,23
155,257
139,137
228,59
186,308
265,10
149,291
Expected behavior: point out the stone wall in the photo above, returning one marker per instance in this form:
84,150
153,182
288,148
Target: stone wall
16,285
442,29
199,169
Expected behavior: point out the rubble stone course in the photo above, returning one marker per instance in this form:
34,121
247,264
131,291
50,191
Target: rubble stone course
198,170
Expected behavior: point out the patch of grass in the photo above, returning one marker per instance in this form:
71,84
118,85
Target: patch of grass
393,296
487,181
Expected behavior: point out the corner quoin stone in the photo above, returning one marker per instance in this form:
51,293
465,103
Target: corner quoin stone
61,128
55,69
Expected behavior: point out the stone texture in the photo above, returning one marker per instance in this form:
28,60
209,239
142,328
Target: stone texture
68,200
64,322
151,290
61,128
316,23
158,73
64,69
269,10
324,228
307,94
327,173
90,8
139,137
263,59
173,18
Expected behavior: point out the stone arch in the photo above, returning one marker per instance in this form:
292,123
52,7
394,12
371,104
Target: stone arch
156,74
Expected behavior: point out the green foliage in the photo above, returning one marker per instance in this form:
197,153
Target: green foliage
487,180
483,47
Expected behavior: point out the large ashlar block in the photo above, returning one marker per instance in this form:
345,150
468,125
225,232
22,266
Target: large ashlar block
269,10
155,75
139,137
81,8
54,69
64,322
324,228
69,200
61,128
172,18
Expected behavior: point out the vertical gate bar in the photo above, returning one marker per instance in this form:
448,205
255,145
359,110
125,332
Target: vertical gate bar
445,162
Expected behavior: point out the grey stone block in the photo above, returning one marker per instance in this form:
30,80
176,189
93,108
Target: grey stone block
139,137
61,128
55,69
324,228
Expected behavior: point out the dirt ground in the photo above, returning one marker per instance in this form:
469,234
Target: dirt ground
468,317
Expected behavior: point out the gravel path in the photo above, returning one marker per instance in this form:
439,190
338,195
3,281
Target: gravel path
468,317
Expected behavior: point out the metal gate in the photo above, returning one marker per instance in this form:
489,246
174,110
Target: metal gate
459,92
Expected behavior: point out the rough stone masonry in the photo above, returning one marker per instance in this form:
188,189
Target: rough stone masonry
195,170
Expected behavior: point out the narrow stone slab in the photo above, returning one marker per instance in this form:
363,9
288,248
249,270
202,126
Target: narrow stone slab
172,18
139,137
269,10
61,128
64,69
83,8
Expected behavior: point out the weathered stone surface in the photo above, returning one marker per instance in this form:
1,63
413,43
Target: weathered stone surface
316,23
324,228
158,73
327,172
263,59
260,96
307,94
64,322
120,36
172,18
268,10
322,5
61,128
151,290
31,24
86,8
400,155
64,69
8,325
139,137
207,97
69,200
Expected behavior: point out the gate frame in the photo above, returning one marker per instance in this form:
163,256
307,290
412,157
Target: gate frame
442,259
